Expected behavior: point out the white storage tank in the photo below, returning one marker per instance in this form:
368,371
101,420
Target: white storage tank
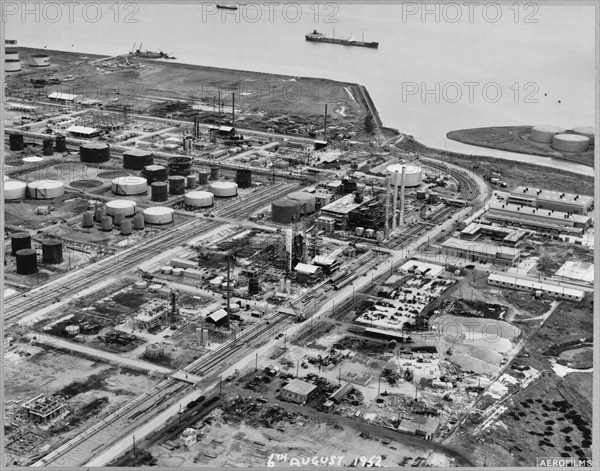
585,131
46,189
129,185
306,200
177,271
124,207
199,199
140,285
39,60
544,133
166,269
223,189
72,329
158,215
14,190
413,174
570,142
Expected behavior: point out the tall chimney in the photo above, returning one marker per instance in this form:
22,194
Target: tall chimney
325,125
395,210
401,222
233,110
219,99
388,189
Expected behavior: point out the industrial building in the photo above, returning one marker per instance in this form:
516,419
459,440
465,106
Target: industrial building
63,97
84,131
218,318
297,391
506,235
349,212
42,409
428,270
552,200
522,284
576,272
538,219
306,273
481,252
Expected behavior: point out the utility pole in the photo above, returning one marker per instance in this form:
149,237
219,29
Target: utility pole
134,451
228,288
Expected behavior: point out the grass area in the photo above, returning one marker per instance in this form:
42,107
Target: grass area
516,139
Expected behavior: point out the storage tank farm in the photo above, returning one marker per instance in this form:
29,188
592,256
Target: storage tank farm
545,133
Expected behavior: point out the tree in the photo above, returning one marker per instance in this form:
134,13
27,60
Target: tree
369,125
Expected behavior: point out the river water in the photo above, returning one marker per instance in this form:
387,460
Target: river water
452,68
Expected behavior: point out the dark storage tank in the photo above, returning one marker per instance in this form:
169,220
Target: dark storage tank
158,191
285,211
19,241
61,144
47,147
203,178
52,251
177,185
243,178
155,173
253,286
26,262
181,166
94,152
137,159
15,142
215,173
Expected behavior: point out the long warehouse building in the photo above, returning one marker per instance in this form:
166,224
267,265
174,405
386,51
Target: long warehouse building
480,252
551,200
522,284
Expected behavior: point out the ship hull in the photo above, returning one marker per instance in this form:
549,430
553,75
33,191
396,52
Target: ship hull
344,42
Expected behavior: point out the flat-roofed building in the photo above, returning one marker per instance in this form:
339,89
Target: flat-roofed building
297,391
306,273
576,271
341,208
507,235
481,252
63,97
553,200
524,284
84,131
545,220
428,270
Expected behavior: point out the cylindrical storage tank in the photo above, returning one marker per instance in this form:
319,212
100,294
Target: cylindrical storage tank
11,65
129,186
52,251
216,282
106,223
26,262
124,207
166,269
72,329
570,142
126,227
191,182
154,350
223,189
180,166
285,211
19,241
60,144
544,134
46,189
215,173
360,231
176,185
118,218
39,60
137,159
434,198
585,131
177,271
253,286
421,194
12,54
203,178
15,142
158,215
99,213
14,190
198,199
94,152
370,233
379,235
243,177
155,173
47,147
88,220
412,174
158,191
138,221
140,285
306,200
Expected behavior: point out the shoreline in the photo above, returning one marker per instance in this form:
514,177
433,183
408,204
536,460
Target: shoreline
363,99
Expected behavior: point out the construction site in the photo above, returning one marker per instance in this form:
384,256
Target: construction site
286,278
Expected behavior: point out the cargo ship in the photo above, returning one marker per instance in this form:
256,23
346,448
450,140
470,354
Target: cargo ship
321,38
226,7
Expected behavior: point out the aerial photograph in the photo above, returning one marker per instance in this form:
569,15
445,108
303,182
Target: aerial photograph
299,234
